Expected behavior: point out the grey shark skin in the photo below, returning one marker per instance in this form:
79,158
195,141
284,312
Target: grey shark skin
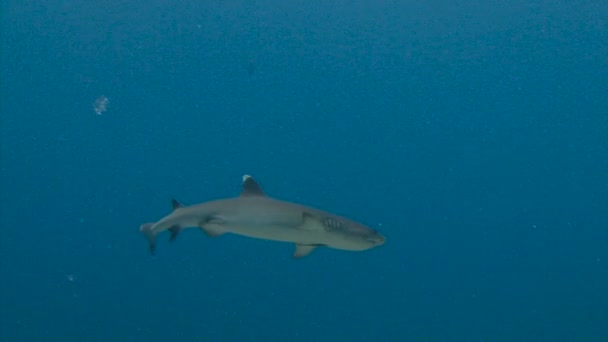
255,215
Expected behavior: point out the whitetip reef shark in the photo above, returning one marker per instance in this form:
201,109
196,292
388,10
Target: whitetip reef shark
256,215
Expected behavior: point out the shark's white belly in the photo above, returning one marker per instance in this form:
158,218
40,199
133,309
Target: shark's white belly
274,232
296,231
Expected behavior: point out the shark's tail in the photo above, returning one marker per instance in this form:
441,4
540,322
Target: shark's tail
147,230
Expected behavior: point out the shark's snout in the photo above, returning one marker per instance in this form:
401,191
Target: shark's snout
376,239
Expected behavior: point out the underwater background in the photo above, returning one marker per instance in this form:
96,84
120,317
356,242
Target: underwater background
472,134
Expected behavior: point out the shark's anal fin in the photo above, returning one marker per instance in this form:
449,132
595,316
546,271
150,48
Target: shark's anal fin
303,250
147,230
175,230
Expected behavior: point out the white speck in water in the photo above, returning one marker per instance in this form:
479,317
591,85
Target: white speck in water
100,105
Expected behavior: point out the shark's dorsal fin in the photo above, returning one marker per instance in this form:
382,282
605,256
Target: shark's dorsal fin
175,204
251,187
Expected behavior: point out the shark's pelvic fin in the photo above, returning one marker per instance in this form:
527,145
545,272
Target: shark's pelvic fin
251,187
212,226
212,232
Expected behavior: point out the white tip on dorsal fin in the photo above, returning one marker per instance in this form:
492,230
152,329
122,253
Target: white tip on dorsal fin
251,187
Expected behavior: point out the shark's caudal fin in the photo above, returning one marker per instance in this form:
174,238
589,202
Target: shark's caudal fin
146,229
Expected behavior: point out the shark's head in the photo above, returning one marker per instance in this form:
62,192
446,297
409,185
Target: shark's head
350,235
367,238
376,238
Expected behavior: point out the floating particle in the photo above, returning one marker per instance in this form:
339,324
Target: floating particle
101,104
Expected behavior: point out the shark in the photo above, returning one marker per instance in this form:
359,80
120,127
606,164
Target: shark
256,215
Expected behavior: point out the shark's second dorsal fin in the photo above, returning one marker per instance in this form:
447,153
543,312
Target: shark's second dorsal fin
251,187
175,204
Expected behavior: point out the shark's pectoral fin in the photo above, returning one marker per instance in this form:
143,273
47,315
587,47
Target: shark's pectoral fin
303,250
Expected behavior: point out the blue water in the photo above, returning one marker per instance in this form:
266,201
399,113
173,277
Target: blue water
474,135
